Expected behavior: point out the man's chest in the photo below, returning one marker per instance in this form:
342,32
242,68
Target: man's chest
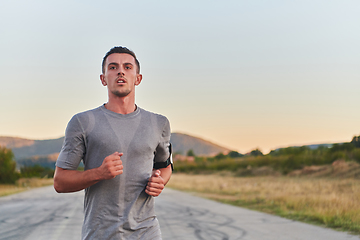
136,139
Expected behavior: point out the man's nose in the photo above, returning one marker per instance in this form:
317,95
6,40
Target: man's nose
120,71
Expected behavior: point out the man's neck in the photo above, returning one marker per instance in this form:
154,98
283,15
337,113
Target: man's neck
121,105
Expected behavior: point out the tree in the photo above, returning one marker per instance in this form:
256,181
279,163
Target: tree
8,172
356,141
190,153
256,152
220,156
234,154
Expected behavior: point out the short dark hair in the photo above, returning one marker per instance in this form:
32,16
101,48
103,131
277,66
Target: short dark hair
120,49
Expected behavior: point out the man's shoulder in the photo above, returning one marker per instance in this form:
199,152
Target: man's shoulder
153,115
157,121
88,112
85,116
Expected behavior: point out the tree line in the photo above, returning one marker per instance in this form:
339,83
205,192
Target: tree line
282,160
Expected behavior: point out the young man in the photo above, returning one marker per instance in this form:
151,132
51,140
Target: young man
126,153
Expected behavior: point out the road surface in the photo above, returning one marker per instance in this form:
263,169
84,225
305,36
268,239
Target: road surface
43,214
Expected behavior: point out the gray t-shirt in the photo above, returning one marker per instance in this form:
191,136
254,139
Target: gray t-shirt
117,208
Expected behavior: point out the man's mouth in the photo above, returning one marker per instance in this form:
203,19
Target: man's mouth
120,81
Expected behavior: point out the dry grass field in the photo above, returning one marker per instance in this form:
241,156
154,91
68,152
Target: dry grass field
325,201
24,184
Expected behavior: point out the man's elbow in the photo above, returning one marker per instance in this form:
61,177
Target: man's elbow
57,186
58,189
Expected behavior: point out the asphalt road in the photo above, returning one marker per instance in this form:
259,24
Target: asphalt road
43,214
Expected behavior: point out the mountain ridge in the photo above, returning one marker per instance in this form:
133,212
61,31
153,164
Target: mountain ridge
32,151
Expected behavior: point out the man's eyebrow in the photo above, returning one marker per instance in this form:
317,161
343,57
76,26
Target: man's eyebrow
113,63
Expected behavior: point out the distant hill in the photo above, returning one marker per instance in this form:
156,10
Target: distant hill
15,142
38,148
312,146
315,146
182,143
29,152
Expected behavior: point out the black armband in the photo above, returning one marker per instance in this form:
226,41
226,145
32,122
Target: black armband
168,161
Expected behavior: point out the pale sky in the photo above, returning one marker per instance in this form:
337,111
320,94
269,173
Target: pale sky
242,74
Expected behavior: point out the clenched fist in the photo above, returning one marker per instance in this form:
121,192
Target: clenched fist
155,184
111,166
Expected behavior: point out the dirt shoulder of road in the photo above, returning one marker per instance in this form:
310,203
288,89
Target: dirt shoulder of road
24,184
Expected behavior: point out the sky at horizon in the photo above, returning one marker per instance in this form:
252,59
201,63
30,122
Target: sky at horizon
242,74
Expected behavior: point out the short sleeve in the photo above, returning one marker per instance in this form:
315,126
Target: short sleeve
163,150
73,149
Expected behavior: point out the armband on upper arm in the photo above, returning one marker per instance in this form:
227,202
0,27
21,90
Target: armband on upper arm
168,161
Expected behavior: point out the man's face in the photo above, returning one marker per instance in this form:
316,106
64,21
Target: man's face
120,75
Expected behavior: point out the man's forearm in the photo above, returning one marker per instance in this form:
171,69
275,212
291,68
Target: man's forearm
66,181
166,173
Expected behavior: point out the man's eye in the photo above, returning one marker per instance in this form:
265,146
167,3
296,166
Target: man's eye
112,67
127,67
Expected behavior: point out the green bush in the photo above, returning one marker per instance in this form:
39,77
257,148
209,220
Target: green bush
8,172
36,171
355,155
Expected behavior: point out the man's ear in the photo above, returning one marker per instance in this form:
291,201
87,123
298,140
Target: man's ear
138,79
102,78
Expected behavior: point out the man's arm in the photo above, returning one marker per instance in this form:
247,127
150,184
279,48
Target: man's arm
73,180
158,180
162,168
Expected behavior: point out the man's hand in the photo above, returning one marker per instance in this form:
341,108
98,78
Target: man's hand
155,184
111,166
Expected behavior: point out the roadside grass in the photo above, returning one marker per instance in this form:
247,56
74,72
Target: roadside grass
329,202
24,184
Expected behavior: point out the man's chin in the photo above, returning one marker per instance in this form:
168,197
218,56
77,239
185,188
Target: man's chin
121,94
